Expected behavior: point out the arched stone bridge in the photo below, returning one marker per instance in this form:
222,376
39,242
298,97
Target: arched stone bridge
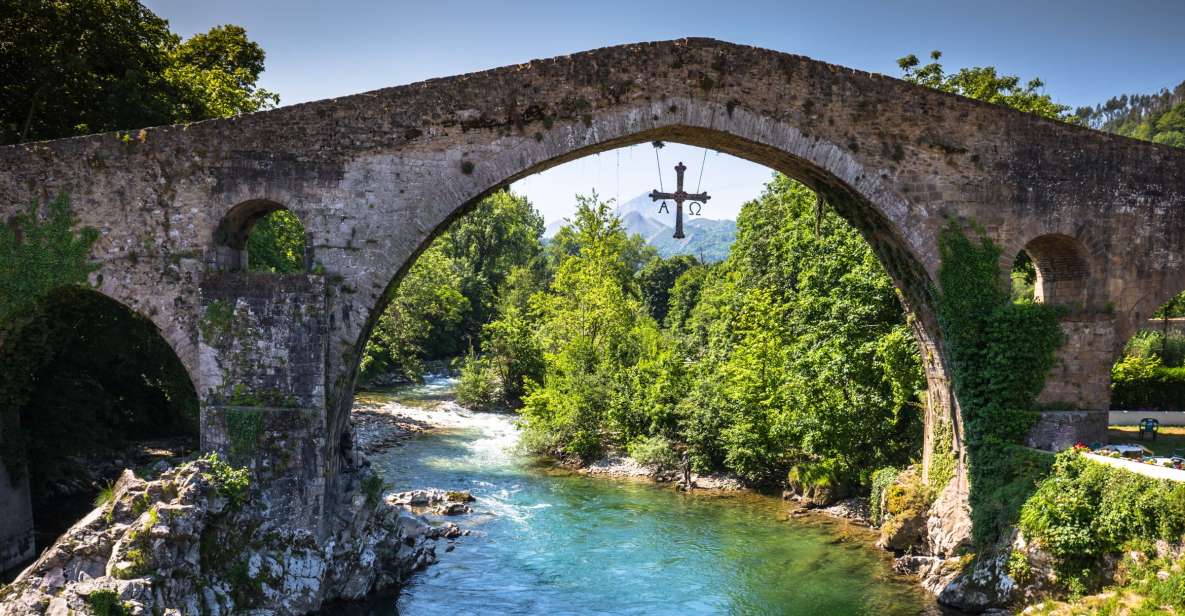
375,176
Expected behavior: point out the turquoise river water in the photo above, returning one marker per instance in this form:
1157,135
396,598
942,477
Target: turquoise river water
547,541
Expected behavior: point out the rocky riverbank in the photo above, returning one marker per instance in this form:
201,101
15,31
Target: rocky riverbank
622,466
854,509
378,428
195,540
195,537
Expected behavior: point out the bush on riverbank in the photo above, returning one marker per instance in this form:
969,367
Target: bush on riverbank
479,386
1085,511
656,451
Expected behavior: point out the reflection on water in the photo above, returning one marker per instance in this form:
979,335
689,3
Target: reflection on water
549,542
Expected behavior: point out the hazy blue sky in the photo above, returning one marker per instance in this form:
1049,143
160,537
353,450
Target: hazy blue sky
1085,51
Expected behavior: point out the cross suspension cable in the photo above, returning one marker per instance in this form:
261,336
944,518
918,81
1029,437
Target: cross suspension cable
658,163
702,162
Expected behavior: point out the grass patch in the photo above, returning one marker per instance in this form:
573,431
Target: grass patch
105,495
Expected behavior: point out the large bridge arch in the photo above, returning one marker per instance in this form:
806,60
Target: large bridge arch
374,175
865,197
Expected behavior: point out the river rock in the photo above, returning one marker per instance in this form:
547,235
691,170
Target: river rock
432,497
903,532
855,509
451,509
948,523
182,544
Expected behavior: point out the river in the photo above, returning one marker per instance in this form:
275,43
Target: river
547,541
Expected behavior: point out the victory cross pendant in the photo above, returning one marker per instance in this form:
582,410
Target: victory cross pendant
679,196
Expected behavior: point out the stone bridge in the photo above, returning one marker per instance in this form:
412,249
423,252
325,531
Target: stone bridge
375,176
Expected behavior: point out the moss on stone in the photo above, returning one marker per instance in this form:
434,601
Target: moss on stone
107,603
243,427
216,321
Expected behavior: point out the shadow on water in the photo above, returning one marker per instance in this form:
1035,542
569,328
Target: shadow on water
547,541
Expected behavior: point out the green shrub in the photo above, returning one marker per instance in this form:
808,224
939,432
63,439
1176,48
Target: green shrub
822,481
480,387
1148,343
233,484
654,450
1139,382
373,486
881,480
906,499
106,603
105,495
907,495
1085,510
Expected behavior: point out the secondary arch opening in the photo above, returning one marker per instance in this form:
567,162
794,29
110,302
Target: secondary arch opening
1052,269
261,236
93,388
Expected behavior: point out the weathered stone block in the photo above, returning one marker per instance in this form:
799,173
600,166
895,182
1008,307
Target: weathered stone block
1057,430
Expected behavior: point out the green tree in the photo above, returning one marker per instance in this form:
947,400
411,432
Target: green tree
502,233
592,330
277,244
86,66
657,278
804,355
456,288
428,297
986,84
214,75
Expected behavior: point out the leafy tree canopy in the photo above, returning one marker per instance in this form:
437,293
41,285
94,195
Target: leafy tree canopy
87,66
986,84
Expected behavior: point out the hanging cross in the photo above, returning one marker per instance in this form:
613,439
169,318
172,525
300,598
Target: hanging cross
679,196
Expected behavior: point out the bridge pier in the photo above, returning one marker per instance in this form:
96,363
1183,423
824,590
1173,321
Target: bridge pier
263,344
1077,392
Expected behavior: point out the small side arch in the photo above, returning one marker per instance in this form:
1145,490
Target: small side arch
1064,270
232,236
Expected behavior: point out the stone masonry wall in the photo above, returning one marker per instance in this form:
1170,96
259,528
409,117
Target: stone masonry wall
1081,376
263,342
1057,430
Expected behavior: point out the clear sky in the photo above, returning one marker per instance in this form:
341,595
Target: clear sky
1086,51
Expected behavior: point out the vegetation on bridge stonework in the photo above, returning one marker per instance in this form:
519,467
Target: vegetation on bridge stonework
1000,352
38,257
